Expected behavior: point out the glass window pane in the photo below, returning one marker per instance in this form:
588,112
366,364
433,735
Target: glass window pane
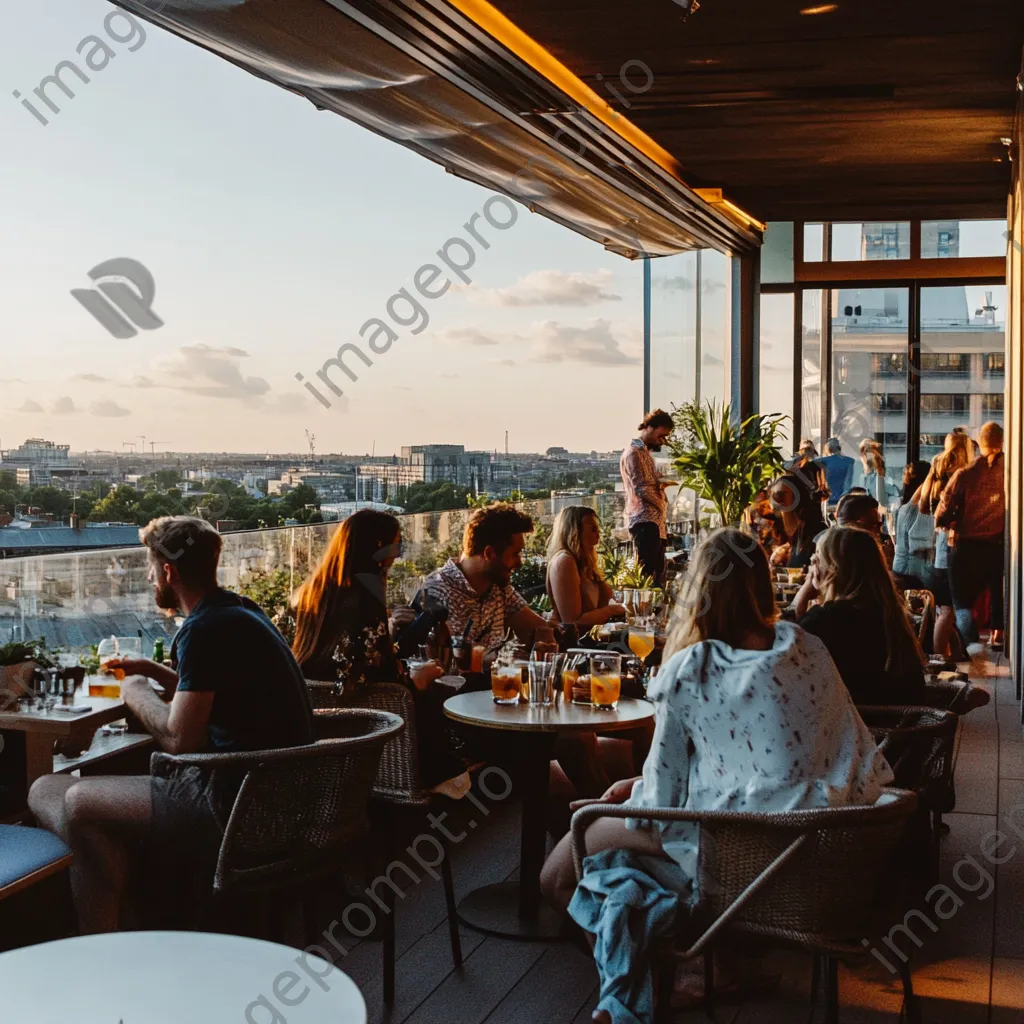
777,253
810,366
953,239
871,241
673,330
962,360
869,382
775,383
715,322
814,243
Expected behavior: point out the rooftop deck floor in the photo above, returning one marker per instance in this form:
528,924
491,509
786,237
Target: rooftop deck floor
971,971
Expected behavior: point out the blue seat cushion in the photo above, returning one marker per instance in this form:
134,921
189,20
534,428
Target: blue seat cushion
24,851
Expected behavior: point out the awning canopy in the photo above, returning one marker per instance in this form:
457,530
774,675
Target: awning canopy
429,78
842,111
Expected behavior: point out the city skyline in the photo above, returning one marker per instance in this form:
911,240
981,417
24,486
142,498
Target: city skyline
273,233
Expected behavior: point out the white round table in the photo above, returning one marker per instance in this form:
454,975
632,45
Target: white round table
170,977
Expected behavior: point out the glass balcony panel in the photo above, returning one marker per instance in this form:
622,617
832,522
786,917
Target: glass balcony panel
870,241
957,239
962,360
869,380
673,301
776,360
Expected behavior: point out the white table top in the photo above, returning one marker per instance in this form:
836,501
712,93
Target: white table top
171,977
479,709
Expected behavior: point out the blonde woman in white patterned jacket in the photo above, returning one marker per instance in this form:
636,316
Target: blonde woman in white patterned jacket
751,714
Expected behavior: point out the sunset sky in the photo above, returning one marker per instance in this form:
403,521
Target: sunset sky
274,231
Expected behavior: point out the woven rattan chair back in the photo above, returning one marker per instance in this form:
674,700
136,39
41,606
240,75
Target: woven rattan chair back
920,745
831,891
398,777
298,808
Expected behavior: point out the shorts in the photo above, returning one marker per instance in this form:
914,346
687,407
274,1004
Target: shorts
188,815
938,584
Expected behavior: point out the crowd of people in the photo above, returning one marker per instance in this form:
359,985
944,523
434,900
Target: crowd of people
755,704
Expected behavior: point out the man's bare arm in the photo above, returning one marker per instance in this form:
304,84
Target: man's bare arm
179,727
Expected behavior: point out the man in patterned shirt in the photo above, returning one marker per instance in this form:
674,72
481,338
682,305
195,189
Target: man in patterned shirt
645,493
477,589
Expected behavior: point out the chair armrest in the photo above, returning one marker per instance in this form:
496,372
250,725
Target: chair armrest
162,763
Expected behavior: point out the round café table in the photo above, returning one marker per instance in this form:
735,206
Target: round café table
522,737
170,977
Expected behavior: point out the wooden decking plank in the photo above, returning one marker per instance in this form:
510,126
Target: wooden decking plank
493,969
552,991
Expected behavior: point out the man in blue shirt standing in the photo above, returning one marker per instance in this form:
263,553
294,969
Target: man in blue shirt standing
838,470
235,686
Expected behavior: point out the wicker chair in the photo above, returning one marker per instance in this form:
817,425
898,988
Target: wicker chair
953,695
299,809
398,790
818,880
920,745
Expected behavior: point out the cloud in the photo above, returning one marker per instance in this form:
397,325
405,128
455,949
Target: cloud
90,378
673,284
11,380
211,372
30,406
449,376
108,407
142,381
64,406
561,343
466,336
506,362
549,288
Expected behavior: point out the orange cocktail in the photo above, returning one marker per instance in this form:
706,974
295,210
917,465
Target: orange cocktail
604,690
569,679
506,683
605,680
641,642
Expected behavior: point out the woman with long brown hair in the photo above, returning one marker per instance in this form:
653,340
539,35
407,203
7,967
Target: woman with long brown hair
750,714
863,620
578,591
958,453
342,632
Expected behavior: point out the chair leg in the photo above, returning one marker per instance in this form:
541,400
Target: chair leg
831,972
911,1006
709,984
664,987
388,951
449,899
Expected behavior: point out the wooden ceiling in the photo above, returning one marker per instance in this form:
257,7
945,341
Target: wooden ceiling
881,108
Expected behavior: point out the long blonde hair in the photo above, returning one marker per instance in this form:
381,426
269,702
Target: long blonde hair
727,593
852,568
957,455
567,535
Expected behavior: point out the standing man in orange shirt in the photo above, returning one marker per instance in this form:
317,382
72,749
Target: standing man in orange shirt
646,505
973,509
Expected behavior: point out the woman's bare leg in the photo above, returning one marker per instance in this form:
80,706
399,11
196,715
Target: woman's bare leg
945,621
558,877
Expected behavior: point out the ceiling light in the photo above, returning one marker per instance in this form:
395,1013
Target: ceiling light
715,197
1006,141
820,9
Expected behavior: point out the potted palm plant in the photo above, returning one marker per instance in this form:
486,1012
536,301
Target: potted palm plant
723,461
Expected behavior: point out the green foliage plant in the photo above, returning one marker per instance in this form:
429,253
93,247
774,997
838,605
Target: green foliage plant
725,462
